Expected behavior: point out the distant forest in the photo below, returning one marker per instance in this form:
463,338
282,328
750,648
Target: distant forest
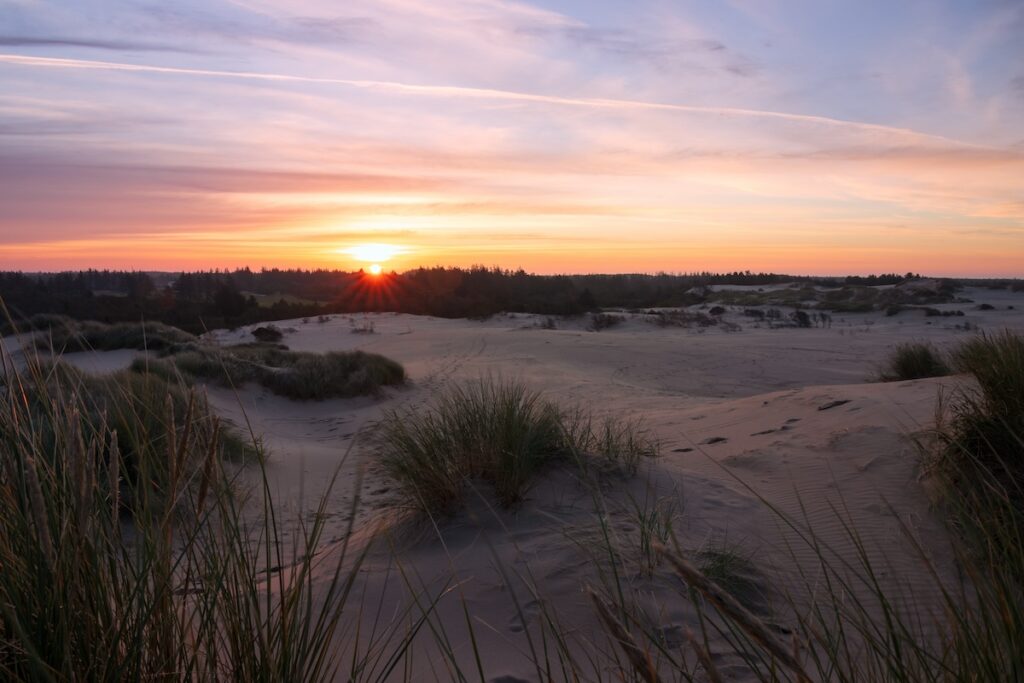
205,300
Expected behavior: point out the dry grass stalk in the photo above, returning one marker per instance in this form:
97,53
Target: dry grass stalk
728,605
704,657
640,660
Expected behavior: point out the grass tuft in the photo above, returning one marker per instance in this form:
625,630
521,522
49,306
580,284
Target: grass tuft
982,429
498,432
914,360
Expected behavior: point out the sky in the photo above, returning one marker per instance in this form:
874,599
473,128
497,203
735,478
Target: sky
823,137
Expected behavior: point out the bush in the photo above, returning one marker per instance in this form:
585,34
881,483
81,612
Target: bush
801,318
497,432
602,321
268,333
914,360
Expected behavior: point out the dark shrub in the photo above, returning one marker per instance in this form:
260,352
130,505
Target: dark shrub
801,319
914,360
602,321
268,333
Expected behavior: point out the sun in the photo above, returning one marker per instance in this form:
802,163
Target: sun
374,252
375,269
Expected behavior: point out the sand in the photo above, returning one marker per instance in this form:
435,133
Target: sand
749,421
753,424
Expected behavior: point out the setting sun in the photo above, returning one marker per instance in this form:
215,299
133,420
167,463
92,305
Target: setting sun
375,269
374,252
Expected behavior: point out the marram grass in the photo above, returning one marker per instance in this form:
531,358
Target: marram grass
502,433
126,555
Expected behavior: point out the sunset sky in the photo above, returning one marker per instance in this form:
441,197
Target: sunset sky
819,137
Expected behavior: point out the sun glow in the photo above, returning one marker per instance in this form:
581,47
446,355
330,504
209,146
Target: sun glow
375,269
374,252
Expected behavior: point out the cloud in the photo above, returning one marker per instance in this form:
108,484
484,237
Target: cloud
697,53
66,41
622,42
444,91
258,26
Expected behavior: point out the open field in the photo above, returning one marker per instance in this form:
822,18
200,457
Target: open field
756,422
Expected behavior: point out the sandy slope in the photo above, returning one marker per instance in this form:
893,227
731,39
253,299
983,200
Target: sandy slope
741,416
746,419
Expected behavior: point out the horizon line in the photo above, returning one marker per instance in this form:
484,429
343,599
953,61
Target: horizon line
227,271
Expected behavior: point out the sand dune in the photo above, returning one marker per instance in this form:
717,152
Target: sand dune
753,424
749,420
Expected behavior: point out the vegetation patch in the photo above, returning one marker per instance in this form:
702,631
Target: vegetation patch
268,334
500,433
182,592
914,360
293,374
983,428
63,335
603,321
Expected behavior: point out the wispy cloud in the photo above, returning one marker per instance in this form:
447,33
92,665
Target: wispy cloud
642,136
477,93
68,41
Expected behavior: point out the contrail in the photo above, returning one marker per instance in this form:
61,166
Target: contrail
475,93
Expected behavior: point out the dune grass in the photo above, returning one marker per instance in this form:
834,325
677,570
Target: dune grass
292,374
296,375
498,432
37,322
194,596
914,360
161,576
66,336
848,620
981,434
838,617
138,408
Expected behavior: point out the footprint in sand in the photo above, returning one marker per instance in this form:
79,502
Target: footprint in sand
714,439
682,450
834,404
754,461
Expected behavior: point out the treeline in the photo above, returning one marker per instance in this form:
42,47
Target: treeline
211,299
